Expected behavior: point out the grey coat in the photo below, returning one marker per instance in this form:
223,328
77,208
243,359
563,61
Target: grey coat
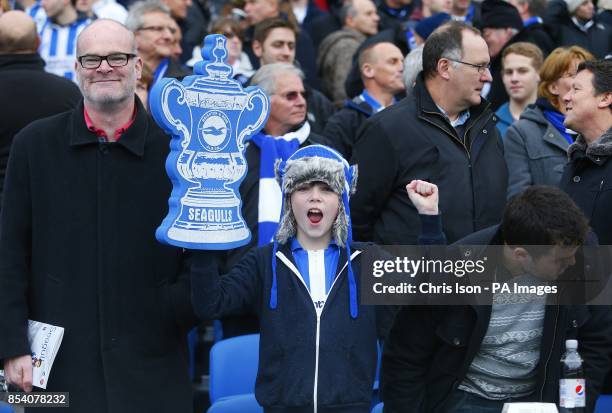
535,152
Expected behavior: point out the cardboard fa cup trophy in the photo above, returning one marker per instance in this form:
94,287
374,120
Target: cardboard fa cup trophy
209,116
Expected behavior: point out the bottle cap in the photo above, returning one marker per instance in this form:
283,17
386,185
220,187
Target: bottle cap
571,344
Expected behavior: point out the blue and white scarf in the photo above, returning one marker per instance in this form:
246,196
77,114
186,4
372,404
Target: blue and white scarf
270,195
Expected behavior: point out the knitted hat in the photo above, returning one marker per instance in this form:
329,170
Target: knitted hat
572,5
499,14
316,163
426,26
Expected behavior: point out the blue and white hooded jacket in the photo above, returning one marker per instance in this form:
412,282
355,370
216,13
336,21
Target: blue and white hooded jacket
308,362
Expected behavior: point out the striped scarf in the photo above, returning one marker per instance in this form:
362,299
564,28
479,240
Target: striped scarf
270,195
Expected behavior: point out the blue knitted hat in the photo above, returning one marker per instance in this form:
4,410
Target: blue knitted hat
316,163
426,26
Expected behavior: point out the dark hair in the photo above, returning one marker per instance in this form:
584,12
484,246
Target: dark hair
263,28
543,215
348,9
445,42
602,74
366,54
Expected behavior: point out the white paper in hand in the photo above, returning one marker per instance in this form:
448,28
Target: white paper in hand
45,341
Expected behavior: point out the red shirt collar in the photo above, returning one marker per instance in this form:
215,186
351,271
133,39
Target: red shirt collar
100,133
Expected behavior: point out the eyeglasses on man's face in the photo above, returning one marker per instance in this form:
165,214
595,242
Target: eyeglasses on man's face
293,95
481,68
114,60
158,29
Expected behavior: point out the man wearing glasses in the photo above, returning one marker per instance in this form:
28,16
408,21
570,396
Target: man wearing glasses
156,35
84,193
445,133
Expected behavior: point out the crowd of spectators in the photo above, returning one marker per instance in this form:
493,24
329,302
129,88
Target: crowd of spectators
481,98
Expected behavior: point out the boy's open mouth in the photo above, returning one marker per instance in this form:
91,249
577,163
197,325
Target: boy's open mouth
315,215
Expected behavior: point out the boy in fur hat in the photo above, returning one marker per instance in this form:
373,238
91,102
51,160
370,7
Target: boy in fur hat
318,346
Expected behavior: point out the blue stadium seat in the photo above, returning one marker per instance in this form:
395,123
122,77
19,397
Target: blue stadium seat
244,403
233,366
5,408
378,408
604,404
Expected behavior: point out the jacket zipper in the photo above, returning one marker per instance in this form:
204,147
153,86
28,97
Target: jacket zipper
290,265
467,152
316,373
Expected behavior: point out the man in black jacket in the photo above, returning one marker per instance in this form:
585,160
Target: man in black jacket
588,175
381,67
84,192
443,132
574,23
500,24
534,29
28,92
459,359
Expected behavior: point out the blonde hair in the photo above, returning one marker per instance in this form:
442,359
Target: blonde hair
555,66
528,50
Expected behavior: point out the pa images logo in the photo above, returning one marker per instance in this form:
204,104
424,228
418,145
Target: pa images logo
213,130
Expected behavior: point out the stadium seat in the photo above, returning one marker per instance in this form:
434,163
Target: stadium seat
244,403
233,366
378,408
604,404
5,408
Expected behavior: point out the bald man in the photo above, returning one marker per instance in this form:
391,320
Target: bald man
85,191
28,92
381,66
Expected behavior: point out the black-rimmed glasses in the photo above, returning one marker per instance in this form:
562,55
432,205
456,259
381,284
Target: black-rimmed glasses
481,68
114,60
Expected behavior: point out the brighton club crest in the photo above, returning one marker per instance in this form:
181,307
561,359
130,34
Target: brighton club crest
209,116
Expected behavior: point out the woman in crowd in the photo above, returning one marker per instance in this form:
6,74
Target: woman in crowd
236,58
536,145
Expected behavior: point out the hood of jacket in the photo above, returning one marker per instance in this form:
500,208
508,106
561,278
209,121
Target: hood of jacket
534,113
327,45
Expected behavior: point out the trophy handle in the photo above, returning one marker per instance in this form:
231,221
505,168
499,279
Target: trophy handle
254,93
173,114
168,118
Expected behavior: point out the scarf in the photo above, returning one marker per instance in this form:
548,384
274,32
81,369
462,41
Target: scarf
555,118
271,150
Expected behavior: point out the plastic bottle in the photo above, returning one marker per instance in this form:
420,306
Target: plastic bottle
572,391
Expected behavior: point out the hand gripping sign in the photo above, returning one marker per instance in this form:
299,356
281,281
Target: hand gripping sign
209,116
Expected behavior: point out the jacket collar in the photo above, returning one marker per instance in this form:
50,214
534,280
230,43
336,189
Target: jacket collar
359,105
134,139
601,148
426,104
30,61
